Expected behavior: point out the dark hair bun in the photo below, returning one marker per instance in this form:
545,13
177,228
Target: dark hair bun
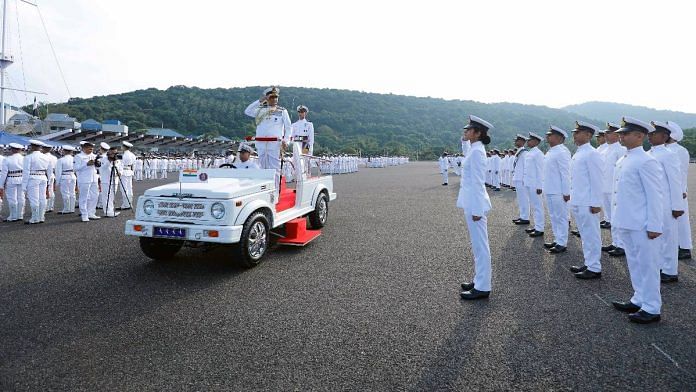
486,140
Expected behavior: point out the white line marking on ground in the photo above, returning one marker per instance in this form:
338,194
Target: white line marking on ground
602,299
665,354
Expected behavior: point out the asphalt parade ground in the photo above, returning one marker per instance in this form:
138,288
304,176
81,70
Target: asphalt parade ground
371,305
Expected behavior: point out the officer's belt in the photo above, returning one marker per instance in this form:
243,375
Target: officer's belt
14,172
37,173
128,167
68,171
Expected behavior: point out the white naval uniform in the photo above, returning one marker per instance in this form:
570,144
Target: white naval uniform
496,167
556,185
87,184
11,182
35,182
304,129
671,186
586,192
683,224
518,183
474,200
52,180
533,178
610,154
270,122
444,169
128,163
248,164
638,209
65,171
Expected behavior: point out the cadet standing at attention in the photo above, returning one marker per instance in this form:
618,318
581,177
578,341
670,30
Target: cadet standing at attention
87,181
610,154
444,168
303,130
638,214
586,199
35,180
65,173
533,172
473,199
684,226
11,182
518,181
557,188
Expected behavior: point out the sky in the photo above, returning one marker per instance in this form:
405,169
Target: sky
552,53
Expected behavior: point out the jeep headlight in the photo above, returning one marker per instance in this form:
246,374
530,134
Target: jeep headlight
217,210
148,207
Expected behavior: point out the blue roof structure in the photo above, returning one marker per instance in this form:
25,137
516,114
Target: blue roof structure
91,125
163,132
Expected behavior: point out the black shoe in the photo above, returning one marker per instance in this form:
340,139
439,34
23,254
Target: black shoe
474,294
557,249
577,268
514,189
467,286
587,274
684,254
536,234
608,248
522,222
617,252
549,245
444,184
602,222
643,317
628,306
606,225
497,189
666,278
529,230
575,233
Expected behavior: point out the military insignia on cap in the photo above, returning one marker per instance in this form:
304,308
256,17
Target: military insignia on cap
633,124
612,127
585,126
477,122
556,129
271,90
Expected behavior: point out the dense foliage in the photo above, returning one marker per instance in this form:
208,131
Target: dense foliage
609,111
345,121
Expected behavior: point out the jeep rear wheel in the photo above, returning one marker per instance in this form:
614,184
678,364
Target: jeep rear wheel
255,240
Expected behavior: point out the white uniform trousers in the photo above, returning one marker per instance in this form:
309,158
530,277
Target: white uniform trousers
445,177
164,173
127,191
478,233
537,204
588,226
643,265
269,154
496,180
36,194
89,194
668,254
684,228
15,201
606,206
67,193
522,199
558,213
51,199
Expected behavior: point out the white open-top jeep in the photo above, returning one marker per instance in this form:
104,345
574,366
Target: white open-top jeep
232,206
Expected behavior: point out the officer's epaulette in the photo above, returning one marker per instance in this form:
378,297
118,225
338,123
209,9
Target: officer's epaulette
280,108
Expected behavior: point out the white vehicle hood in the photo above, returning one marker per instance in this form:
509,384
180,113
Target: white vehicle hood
214,188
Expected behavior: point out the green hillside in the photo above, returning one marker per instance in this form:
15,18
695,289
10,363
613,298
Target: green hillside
345,121
609,111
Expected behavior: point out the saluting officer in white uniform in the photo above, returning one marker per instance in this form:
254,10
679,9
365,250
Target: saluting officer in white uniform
128,163
87,181
683,224
11,182
638,217
533,177
672,200
272,121
473,199
65,172
612,152
556,187
35,180
304,131
518,181
586,199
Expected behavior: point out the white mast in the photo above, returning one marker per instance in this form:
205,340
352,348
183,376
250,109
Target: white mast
5,61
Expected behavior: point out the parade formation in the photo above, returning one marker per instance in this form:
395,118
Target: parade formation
641,195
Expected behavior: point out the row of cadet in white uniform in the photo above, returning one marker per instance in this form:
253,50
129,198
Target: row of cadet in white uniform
645,203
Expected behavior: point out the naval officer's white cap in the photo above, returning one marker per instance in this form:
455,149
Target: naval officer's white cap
477,122
521,136
611,127
677,131
270,90
104,145
68,147
660,126
127,144
16,146
534,135
629,124
302,107
585,126
601,132
35,142
246,147
556,129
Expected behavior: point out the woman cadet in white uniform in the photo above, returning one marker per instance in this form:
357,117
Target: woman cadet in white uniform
473,199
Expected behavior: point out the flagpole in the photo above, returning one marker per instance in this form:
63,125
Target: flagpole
4,64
